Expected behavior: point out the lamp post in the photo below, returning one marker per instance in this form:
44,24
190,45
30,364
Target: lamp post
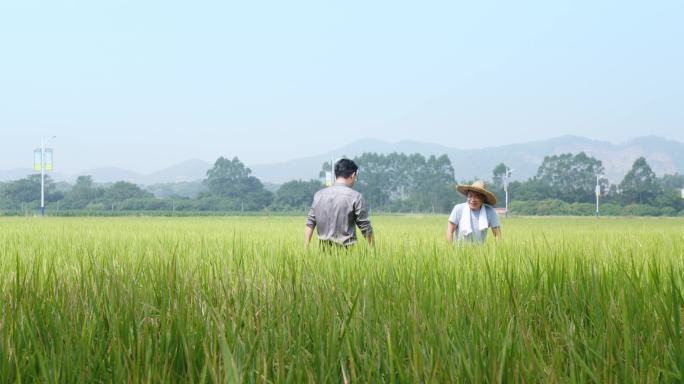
598,194
507,176
42,174
330,175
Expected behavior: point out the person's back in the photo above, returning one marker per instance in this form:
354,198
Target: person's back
338,209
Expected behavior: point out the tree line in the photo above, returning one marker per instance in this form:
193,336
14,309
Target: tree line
395,182
565,184
228,187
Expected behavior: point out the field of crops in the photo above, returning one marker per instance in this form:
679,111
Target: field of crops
239,300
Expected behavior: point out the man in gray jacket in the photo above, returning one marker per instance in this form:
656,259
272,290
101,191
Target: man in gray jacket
338,209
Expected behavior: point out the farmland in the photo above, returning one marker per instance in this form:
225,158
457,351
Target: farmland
238,299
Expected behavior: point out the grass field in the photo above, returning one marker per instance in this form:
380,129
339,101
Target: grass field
239,300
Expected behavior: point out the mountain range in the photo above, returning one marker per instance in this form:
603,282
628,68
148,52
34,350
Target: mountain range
665,157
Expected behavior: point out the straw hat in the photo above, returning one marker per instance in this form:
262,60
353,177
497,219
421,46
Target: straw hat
479,187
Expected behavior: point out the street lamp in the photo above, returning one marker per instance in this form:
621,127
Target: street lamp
507,176
598,194
42,173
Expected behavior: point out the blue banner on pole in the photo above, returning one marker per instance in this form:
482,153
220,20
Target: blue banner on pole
37,160
48,159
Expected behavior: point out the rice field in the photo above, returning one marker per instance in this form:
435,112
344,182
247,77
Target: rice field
237,299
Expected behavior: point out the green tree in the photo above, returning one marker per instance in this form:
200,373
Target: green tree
670,195
326,167
183,189
123,190
675,181
82,194
571,178
296,195
224,177
398,181
639,184
231,181
27,190
669,198
433,182
530,190
378,178
498,174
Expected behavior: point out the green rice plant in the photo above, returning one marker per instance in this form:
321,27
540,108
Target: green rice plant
238,299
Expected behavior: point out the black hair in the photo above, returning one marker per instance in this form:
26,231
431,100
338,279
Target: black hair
345,168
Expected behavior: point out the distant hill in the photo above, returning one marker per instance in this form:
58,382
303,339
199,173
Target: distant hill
15,174
308,167
664,156
186,171
20,173
112,174
189,170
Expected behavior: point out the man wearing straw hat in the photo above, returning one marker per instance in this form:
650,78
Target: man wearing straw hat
473,218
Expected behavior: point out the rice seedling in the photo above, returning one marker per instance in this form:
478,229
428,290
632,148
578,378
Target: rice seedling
239,300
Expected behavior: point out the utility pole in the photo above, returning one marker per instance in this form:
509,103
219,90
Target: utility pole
507,176
44,166
330,175
42,177
598,193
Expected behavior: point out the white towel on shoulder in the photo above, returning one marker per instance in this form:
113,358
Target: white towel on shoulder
466,227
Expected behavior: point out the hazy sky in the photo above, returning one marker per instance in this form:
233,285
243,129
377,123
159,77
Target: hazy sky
145,84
